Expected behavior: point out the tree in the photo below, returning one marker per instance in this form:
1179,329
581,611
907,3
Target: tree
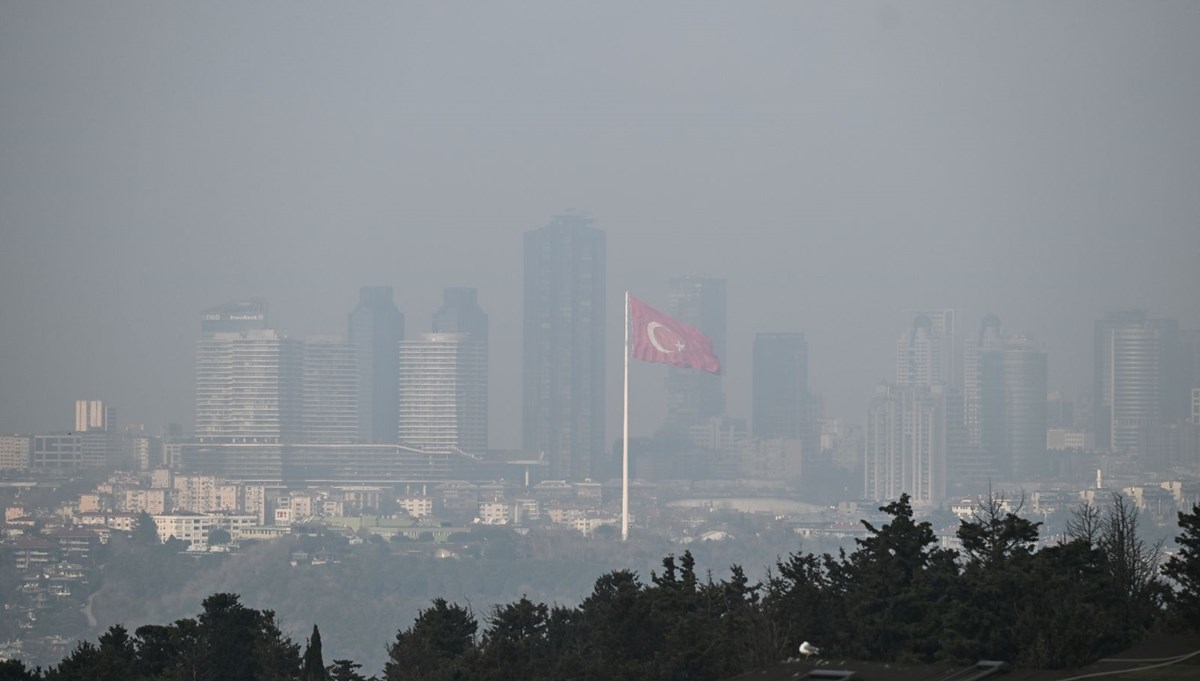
998,549
892,589
1133,567
219,536
515,641
314,666
435,647
1184,569
345,670
145,531
15,670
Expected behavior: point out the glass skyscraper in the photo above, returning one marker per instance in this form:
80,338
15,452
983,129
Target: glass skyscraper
376,327
1012,382
460,313
1138,380
564,336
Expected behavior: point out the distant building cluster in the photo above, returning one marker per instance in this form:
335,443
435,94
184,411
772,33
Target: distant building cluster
377,406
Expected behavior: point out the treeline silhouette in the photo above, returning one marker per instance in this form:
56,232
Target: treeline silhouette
898,597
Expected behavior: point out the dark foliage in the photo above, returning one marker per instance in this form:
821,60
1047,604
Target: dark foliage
899,597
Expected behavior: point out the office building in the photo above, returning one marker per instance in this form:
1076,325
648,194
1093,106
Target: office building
780,402
330,392
375,328
248,387
460,313
696,397
1013,379
234,317
443,393
57,451
1138,381
904,444
564,340
927,353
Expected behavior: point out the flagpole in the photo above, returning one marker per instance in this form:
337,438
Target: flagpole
625,435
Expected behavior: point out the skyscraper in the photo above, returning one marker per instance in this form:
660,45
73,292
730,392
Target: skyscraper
780,401
460,313
1013,378
988,338
563,372
375,328
696,397
927,353
905,443
330,392
1137,382
248,388
443,393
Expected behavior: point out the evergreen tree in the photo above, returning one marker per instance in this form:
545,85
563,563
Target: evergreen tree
435,647
15,670
893,589
314,666
997,554
345,670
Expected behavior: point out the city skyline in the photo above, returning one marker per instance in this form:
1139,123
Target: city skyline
837,165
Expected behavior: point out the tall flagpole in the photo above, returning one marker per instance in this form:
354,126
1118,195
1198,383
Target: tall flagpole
625,435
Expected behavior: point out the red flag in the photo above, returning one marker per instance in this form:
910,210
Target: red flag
658,338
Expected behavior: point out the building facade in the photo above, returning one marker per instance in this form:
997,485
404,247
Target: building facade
330,393
1136,383
1013,384
563,339
249,387
375,328
443,393
904,444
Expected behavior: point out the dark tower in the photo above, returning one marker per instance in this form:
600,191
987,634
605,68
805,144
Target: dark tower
564,345
376,328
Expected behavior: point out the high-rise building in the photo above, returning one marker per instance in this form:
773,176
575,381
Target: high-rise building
904,443
443,393
564,336
927,354
1013,380
460,313
780,400
248,387
234,317
1137,382
696,397
376,327
330,392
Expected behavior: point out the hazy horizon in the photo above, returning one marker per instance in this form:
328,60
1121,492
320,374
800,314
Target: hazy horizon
838,164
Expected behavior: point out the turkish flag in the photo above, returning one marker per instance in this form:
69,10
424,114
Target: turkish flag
658,338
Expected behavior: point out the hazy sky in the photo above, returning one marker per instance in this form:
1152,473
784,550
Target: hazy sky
838,162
